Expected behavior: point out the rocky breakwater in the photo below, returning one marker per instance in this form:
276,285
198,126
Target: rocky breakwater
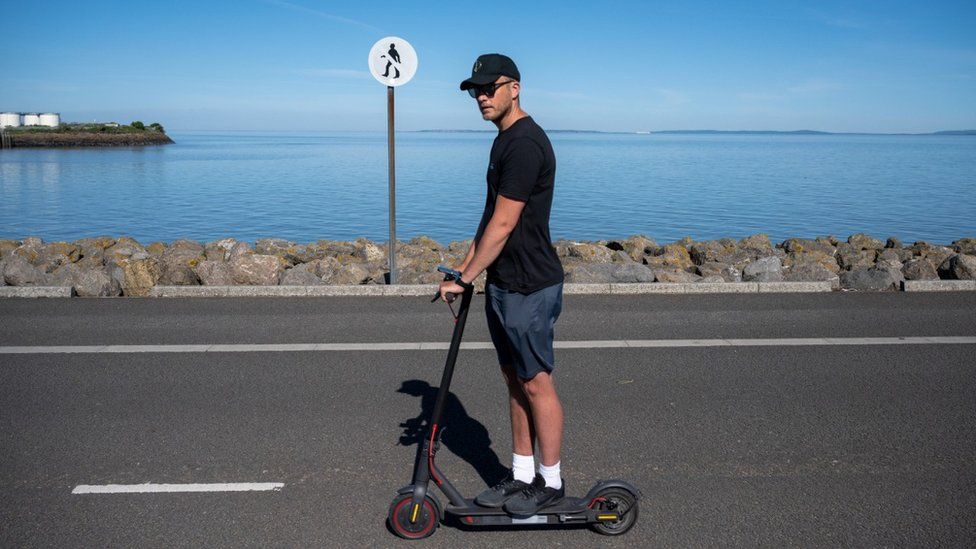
107,266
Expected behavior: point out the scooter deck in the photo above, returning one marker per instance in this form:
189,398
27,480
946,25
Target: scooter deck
565,511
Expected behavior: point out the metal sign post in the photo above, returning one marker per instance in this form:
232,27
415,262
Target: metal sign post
392,62
391,148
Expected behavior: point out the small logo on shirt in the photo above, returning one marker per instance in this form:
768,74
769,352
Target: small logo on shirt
491,165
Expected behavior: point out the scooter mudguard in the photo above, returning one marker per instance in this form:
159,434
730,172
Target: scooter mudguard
604,484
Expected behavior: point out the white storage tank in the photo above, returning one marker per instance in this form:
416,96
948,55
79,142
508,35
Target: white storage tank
51,119
32,119
9,119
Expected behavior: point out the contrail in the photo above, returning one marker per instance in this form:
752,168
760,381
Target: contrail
331,17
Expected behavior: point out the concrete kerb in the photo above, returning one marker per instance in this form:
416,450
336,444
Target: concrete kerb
430,289
938,285
36,291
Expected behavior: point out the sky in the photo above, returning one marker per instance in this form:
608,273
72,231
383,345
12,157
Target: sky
301,65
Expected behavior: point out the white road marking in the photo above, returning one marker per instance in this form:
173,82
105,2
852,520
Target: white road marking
159,488
429,346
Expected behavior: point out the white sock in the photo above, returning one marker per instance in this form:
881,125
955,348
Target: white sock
552,475
523,468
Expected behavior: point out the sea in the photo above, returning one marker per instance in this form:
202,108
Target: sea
305,186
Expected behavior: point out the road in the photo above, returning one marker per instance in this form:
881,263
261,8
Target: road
850,440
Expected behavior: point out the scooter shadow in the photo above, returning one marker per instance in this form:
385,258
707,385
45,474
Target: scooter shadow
463,435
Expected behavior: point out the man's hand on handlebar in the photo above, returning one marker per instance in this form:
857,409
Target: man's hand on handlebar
450,290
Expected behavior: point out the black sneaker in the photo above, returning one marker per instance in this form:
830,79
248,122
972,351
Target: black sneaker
534,497
497,495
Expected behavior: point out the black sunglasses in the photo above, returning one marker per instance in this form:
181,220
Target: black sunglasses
487,89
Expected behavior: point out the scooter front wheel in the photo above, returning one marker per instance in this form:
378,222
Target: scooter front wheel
410,522
621,503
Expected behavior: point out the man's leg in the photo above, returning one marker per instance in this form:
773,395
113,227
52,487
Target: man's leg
523,427
546,413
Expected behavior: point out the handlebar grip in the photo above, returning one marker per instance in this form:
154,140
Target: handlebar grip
450,297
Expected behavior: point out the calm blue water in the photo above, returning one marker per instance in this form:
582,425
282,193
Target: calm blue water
306,187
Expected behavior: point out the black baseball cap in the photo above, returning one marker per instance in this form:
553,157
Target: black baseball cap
488,67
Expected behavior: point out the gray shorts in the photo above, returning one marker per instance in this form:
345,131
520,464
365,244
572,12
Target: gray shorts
522,327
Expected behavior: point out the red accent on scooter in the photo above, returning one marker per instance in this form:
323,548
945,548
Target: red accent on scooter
430,455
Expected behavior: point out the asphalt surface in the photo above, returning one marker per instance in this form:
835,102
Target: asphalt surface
863,446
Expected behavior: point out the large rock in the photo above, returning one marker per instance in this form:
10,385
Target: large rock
636,247
889,255
579,272
919,269
459,247
728,273
3,281
756,242
86,282
8,246
219,250
53,255
177,266
238,250
425,242
958,267
933,252
287,250
810,272
871,279
350,273
17,271
861,241
675,275
95,243
257,270
631,272
157,249
139,275
849,257
670,256
965,246
764,269
123,248
893,243
214,273
299,275
709,251
188,245
366,250
337,248
599,273
591,253
825,260
96,283
30,249
63,276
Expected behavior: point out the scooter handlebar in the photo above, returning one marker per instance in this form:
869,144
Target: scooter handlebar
449,274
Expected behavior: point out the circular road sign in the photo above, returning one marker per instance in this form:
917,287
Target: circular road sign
392,61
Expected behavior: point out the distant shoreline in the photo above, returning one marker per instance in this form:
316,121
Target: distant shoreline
75,139
723,132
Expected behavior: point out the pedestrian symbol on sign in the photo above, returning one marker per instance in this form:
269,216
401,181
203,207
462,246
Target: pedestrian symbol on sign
391,57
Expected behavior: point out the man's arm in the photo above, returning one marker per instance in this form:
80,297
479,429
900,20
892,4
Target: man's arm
468,257
484,251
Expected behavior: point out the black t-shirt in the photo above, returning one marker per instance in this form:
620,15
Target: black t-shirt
522,167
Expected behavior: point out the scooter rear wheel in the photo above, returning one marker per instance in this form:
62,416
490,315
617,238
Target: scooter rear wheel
401,512
621,502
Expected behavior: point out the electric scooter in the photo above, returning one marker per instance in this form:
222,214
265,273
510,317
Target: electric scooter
609,508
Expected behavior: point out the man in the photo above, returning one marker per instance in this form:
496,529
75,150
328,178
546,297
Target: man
523,296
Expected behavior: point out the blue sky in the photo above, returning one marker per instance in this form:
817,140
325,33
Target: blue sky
885,66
